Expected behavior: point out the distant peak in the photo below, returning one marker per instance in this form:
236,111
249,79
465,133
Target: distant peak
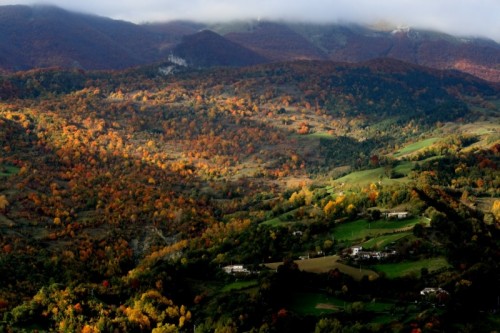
401,29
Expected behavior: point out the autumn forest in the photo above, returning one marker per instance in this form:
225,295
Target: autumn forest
170,199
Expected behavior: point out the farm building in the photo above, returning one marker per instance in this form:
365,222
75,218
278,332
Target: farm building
397,215
432,291
236,269
355,250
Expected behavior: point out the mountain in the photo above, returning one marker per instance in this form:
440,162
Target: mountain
45,36
207,49
277,42
354,43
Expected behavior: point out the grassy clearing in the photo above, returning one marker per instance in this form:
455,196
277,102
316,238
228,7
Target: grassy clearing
273,222
379,243
411,268
361,229
7,170
362,177
481,128
315,304
239,285
320,135
404,168
287,217
327,263
366,177
411,148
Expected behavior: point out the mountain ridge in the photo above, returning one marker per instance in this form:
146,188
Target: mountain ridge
46,36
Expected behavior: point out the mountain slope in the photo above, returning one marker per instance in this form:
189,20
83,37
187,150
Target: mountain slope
353,43
43,36
277,42
207,49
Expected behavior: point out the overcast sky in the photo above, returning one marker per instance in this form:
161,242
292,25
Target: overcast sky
462,17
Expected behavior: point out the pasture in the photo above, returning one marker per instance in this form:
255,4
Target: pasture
411,148
362,229
411,268
327,263
379,243
366,177
318,304
239,285
315,304
283,218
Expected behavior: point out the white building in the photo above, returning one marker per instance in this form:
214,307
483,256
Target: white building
355,250
235,269
397,215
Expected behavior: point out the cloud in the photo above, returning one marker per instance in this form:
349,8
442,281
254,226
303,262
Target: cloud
463,17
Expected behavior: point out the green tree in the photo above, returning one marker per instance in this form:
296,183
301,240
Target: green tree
327,325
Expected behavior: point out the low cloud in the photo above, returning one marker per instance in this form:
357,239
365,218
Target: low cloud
461,17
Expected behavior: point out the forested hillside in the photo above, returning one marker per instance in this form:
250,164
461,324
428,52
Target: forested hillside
124,195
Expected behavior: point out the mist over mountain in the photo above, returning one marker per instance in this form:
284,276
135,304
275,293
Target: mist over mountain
45,36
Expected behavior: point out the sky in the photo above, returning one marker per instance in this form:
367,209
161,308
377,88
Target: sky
479,18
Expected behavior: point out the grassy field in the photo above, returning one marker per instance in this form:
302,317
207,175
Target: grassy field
273,222
404,168
411,267
320,135
7,170
411,148
239,285
361,229
288,217
283,218
315,304
327,263
379,243
320,304
366,177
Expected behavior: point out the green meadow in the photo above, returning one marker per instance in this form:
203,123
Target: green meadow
361,229
411,148
366,177
411,268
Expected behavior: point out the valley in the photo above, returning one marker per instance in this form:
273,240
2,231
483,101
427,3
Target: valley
124,194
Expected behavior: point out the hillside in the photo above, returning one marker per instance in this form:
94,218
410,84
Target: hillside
124,194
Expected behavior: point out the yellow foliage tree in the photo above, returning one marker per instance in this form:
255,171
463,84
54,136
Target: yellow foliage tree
329,207
350,208
304,194
3,202
495,209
